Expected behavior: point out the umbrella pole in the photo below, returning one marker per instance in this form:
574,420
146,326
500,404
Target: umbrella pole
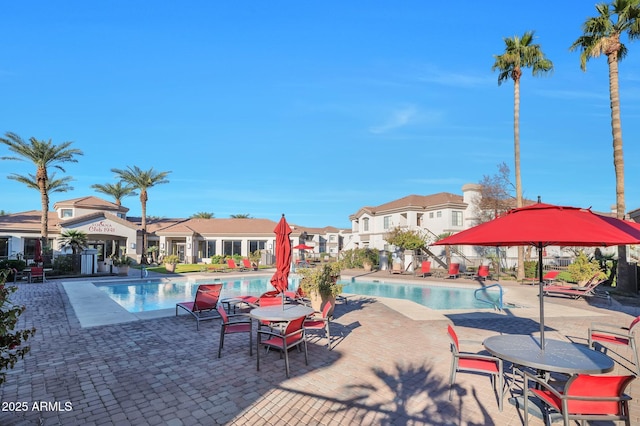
540,284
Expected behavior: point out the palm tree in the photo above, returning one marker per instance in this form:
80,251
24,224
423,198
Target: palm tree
73,238
117,191
43,154
142,180
202,215
602,37
241,216
520,52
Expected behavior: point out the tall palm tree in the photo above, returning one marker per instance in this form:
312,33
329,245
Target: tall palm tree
73,238
43,154
142,180
241,216
117,191
520,52
602,37
53,184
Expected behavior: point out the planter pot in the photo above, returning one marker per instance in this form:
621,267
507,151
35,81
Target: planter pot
170,267
318,301
367,267
123,270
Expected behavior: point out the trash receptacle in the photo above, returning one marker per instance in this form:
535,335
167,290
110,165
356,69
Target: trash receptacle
383,260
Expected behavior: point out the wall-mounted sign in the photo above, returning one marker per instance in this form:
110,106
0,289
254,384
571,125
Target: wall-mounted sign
102,228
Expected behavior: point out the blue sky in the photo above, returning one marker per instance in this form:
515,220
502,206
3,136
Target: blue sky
312,109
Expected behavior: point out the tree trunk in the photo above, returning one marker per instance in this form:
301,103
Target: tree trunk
143,201
516,151
624,278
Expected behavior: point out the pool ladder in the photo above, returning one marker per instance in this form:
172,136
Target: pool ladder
497,306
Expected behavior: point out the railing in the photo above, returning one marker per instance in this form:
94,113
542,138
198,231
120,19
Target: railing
490,302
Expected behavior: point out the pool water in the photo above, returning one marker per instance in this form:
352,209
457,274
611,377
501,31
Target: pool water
150,295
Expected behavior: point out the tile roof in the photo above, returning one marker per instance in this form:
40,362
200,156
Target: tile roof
415,202
90,202
220,226
27,221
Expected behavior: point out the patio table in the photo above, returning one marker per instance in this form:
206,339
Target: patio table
279,313
558,356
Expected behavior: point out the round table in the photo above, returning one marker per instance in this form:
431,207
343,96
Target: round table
281,313
558,356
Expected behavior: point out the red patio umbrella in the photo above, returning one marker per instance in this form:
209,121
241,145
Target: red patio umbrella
543,225
280,279
303,247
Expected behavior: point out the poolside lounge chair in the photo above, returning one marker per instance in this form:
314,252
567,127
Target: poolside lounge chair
232,324
584,397
205,303
292,336
588,290
247,264
474,363
483,273
454,270
425,269
547,278
616,335
232,265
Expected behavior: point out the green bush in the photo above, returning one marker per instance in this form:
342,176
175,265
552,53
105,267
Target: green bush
11,264
583,268
63,264
217,259
530,268
355,258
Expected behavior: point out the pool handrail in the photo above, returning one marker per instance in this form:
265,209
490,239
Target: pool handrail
499,306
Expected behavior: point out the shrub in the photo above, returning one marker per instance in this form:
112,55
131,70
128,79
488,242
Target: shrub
171,259
11,342
583,268
217,259
63,264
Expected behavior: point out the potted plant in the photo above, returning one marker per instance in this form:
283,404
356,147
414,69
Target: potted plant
115,263
123,265
170,262
255,259
320,285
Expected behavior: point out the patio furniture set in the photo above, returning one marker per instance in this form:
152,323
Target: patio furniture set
282,322
587,394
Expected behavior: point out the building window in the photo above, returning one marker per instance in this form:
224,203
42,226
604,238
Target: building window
120,215
386,222
430,215
4,248
456,218
439,214
365,224
257,245
231,247
332,238
211,248
66,213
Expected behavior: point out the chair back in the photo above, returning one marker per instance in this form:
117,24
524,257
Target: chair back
269,301
425,268
454,269
483,270
231,263
247,263
37,271
326,310
223,314
207,296
594,387
455,346
295,328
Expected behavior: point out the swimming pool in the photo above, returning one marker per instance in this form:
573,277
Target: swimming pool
154,294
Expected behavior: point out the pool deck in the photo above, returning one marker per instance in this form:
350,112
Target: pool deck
389,365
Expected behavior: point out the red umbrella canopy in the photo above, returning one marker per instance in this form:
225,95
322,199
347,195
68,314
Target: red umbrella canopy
544,225
303,247
280,279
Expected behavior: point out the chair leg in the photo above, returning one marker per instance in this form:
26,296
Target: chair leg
221,342
632,342
452,378
328,333
286,359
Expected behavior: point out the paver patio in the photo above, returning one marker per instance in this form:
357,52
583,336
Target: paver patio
386,368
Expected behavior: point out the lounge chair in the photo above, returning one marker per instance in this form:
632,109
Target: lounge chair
588,290
547,278
247,264
205,303
454,270
425,269
482,274
232,265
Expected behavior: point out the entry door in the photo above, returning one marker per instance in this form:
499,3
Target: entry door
180,251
